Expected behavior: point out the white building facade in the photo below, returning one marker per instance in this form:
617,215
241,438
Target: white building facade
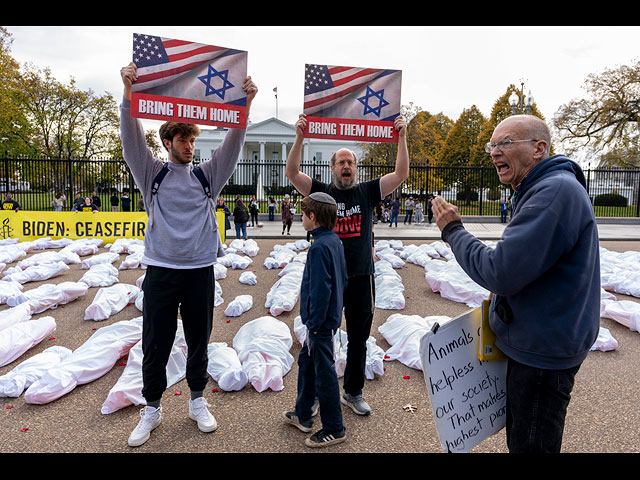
264,154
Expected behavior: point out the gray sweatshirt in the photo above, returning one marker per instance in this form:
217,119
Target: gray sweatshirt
182,230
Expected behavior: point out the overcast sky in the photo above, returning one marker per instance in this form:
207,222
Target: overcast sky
444,68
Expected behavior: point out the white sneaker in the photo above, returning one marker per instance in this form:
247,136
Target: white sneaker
199,412
150,418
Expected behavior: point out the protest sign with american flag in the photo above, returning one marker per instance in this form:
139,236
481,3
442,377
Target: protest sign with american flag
351,103
188,82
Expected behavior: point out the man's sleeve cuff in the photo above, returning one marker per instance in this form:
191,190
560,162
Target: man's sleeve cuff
449,228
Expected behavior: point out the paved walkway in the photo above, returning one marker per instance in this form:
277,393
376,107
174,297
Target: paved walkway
627,229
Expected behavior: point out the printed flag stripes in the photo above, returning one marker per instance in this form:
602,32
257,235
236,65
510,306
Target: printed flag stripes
188,82
351,103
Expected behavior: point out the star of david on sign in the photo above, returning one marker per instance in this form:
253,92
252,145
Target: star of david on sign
369,95
211,75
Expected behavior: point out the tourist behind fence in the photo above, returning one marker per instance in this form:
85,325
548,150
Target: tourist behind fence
321,298
125,202
115,202
395,211
222,207
181,245
429,208
419,209
240,219
272,205
544,274
9,203
58,202
287,215
95,199
78,203
88,206
504,210
409,205
254,209
356,201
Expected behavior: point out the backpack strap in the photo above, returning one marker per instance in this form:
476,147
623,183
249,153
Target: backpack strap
159,177
205,184
196,170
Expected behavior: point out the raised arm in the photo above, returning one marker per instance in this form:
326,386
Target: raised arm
393,180
300,180
129,75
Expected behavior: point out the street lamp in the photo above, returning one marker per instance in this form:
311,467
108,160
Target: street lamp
529,102
519,102
513,101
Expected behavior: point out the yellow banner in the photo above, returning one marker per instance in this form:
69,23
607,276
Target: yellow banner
108,226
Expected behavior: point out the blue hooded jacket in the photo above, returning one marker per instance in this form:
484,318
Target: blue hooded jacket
324,281
544,272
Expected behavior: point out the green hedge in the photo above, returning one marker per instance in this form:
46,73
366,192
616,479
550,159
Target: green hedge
610,200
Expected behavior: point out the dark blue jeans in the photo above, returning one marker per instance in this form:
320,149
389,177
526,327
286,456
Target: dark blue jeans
241,230
317,376
537,403
394,217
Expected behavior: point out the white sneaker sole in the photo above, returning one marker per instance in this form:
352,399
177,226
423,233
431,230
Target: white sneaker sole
132,442
204,428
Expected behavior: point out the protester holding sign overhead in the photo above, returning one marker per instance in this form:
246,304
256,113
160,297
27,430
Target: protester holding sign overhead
181,246
355,202
545,277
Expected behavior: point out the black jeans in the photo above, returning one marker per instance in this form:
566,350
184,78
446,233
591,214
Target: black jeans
537,403
317,377
192,292
359,304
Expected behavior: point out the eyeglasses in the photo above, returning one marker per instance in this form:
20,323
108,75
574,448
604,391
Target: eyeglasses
504,144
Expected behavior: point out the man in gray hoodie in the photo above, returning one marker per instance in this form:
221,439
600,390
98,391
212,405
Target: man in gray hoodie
181,246
544,275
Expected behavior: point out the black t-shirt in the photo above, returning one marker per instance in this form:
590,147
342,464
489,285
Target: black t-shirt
355,219
10,205
87,208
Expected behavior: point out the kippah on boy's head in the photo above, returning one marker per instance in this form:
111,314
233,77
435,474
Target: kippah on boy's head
324,208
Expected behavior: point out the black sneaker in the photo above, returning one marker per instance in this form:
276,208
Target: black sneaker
324,439
292,419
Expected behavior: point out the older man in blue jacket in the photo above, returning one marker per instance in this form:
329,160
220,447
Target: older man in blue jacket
544,275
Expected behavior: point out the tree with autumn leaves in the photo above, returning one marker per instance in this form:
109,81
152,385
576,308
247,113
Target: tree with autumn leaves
41,117
606,119
437,142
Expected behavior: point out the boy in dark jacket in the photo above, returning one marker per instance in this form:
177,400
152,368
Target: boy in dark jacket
321,298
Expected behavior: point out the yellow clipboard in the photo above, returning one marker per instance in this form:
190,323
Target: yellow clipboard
487,349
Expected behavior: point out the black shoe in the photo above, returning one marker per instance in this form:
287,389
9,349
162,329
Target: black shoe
324,439
304,426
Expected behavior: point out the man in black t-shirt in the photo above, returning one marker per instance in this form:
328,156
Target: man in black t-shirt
356,202
9,203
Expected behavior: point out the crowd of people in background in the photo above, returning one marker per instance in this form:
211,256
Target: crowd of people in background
387,211
93,202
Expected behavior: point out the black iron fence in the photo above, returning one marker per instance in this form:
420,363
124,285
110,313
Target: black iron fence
34,182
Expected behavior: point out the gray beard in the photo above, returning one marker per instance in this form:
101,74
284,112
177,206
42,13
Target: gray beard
345,186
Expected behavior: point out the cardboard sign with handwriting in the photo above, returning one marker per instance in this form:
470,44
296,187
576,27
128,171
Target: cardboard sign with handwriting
467,395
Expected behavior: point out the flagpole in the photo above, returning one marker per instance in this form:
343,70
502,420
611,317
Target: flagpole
276,92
